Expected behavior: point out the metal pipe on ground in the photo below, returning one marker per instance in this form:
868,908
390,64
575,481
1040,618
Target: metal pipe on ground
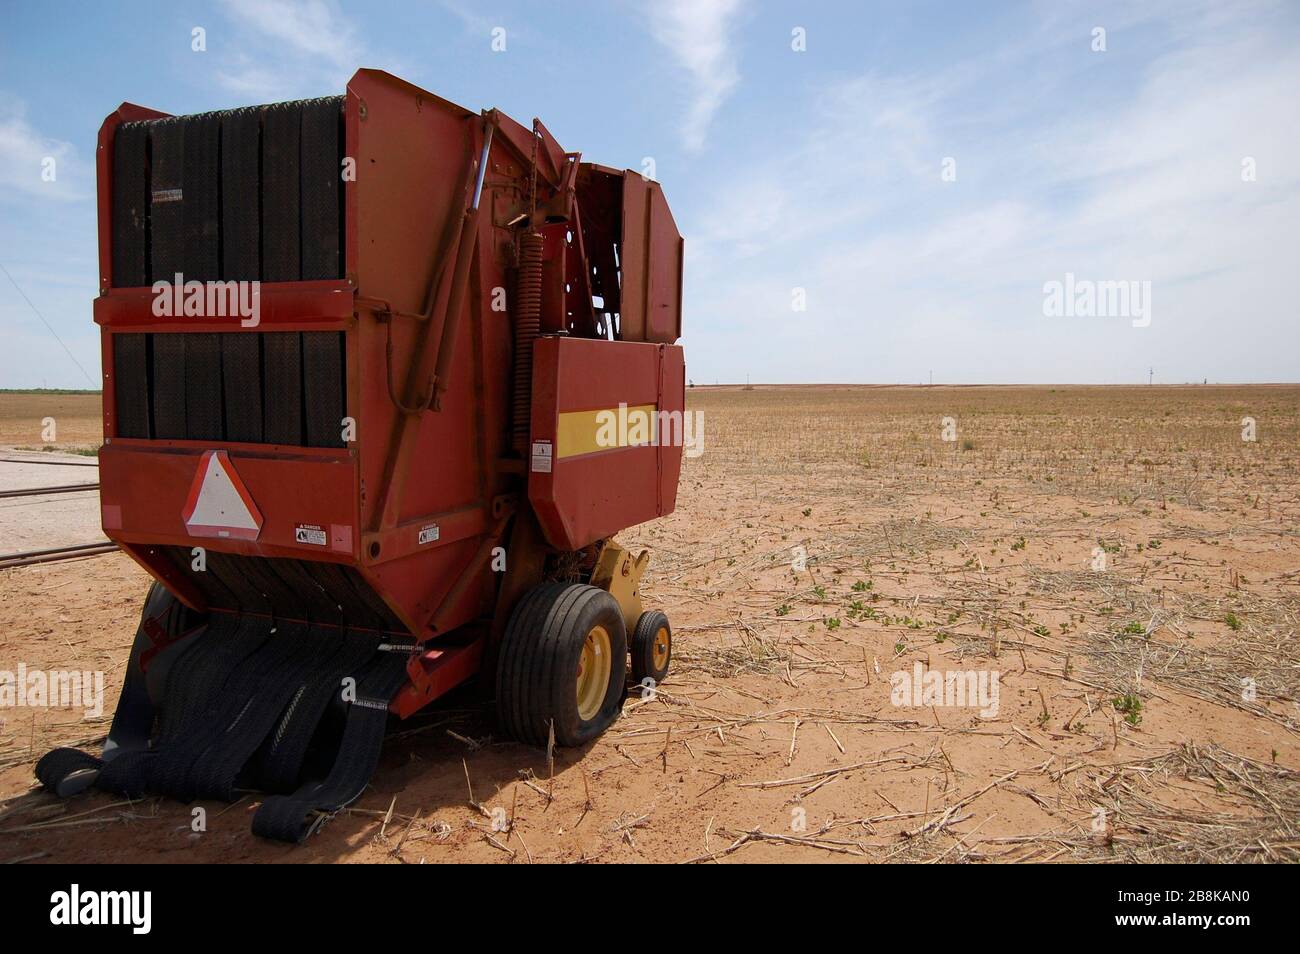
48,463
54,554
40,491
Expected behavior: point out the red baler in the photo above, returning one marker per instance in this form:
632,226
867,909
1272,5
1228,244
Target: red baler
382,379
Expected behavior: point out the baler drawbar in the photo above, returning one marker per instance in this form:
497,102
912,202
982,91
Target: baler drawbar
383,378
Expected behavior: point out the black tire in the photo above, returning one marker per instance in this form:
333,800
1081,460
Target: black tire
645,638
538,669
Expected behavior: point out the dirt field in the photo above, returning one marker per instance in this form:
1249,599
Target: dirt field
1124,563
76,420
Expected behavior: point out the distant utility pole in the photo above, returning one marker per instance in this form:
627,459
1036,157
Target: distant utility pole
931,379
1151,376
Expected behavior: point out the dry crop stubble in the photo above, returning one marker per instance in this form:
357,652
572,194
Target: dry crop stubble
972,554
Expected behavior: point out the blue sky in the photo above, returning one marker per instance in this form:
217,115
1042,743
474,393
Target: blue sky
819,170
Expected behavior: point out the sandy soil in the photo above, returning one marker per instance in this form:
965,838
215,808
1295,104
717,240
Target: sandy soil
1125,563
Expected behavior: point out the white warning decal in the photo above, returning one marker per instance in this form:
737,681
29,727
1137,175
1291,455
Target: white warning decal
311,533
219,504
428,534
542,457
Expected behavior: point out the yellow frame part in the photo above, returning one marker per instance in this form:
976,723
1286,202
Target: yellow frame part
619,573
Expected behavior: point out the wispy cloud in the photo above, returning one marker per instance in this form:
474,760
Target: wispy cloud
35,165
282,49
312,27
905,272
697,34
473,20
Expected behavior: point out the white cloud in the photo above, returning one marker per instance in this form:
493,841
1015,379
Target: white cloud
905,272
312,27
697,35
283,49
473,22
35,165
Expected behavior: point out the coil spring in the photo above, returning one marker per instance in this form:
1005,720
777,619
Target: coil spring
528,325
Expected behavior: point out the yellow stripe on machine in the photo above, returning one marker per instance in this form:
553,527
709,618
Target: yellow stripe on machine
586,432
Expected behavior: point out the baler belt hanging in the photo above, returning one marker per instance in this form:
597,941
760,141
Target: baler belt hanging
322,490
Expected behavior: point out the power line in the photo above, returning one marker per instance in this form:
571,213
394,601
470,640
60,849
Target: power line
48,326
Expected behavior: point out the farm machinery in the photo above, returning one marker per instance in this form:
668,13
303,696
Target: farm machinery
361,359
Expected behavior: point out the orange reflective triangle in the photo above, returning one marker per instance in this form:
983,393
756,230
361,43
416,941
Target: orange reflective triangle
219,505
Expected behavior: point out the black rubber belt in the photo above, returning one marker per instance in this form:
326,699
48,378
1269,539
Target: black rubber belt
293,817
214,773
191,686
131,201
279,764
67,771
245,695
253,696
131,364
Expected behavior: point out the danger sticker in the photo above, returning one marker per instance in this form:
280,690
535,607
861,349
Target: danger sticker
428,534
312,534
542,455
167,195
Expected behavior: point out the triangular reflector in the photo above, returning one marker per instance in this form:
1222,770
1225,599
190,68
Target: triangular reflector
219,504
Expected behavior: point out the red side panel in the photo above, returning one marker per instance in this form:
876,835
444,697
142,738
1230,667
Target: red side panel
413,152
586,483
651,260
146,488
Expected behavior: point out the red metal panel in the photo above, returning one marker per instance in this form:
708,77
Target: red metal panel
555,304
664,308
412,152
651,261
434,673
582,498
416,586
144,486
551,159
281,306
672,397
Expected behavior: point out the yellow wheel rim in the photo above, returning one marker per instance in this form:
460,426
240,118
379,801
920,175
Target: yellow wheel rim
659,651
593,673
